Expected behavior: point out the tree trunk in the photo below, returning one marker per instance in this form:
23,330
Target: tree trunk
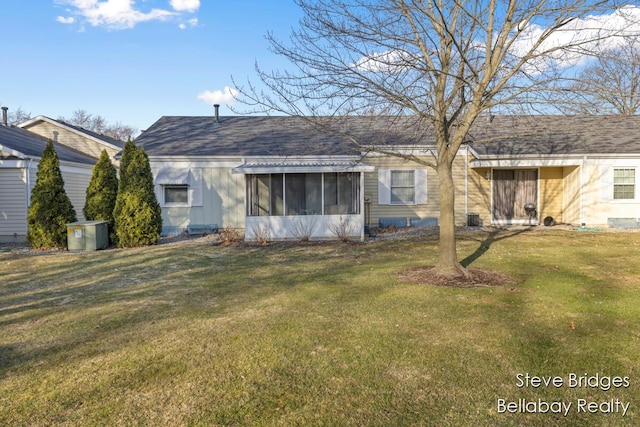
448,258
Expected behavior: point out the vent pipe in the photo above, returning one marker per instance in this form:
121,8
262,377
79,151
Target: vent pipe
216,107
5,119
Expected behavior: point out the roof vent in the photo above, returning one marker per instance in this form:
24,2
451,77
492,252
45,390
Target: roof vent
216,107
5,119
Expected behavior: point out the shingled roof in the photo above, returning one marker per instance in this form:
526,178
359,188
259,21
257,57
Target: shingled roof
20,143
556,135
296,136
274,135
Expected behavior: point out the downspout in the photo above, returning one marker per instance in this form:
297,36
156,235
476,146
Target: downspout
466,183
29,181
583,221
362,214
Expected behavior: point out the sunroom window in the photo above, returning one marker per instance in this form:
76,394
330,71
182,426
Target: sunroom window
303,194
341,193
265,195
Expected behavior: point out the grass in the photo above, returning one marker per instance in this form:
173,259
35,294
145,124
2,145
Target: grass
317,334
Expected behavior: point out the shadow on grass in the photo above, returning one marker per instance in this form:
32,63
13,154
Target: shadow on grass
490,239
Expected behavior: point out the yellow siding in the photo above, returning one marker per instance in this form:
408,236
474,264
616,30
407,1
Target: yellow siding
429,210
551,193
71,139
480,194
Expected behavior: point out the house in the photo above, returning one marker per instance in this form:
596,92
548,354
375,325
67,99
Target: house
20,152
290,177
83,140
20,149
580,170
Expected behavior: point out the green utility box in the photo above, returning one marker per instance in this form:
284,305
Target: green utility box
87,235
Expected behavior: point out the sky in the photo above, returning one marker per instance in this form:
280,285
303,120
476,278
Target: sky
134,61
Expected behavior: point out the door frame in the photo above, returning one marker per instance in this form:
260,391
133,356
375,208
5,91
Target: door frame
515,221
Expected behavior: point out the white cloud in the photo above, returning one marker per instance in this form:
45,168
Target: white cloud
66,20
390,62
122,14
185,5
225,96
191,23
596,33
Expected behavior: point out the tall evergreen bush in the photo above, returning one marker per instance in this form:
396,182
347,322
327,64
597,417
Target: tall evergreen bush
51,209
102,192
137,214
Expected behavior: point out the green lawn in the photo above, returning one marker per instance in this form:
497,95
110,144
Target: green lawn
320,334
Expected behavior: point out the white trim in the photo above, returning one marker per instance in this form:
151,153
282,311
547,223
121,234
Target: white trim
301,164
321,226
187,163
15,163
362,209
11,151
234,161
171,176
384,186
415,150
165,204
421,193
466,183
252,169
611,190
524,163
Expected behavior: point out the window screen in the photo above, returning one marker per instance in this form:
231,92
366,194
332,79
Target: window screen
624,184
403,188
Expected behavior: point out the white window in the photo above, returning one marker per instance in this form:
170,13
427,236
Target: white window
402,186
178,186
624,184
176,195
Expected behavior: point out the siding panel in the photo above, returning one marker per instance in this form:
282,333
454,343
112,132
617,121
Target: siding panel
13,203
429,210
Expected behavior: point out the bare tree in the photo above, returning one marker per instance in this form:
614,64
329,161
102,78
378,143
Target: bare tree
610,85
18,116
442,63
99,124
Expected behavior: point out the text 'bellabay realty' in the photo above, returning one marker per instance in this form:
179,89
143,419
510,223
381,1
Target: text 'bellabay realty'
572,381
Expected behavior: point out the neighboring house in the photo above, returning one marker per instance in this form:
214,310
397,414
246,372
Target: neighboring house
20,152
81,139
289,177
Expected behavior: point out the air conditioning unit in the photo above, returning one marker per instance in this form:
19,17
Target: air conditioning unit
87,235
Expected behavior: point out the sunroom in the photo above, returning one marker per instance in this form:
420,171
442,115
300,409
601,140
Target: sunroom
304,200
